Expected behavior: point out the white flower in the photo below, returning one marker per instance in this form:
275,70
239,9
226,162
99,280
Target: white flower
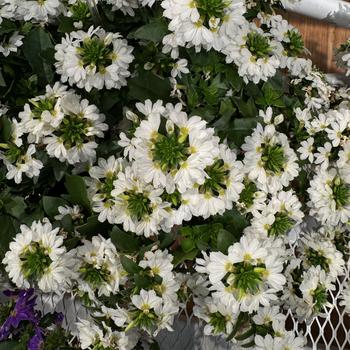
253,52
306,149
195,25
269,161
222,185
126,6
77,65
146,300
329,197
248,276
316,250
19,161
314,288
138,206
159,262
98,267
73,140
89,333
218,318
12,44
176,157
323,154
43,113
39,10
100,186
74,212
37,257
180,67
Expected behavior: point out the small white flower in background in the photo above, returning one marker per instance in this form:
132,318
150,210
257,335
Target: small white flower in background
269,118
343,56
37,257
92,335
306,149
12,44
74,212
126,6
180,67
280,338
218,317
94,59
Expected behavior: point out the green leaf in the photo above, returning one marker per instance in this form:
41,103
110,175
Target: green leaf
233,78
226,107
66,25
9,229
76,188
272,96
233,221
166,240
15,206
224,240
5,129
10,345
125,242
153,31
246,108
180,256
154,346
241,128
142,282
67,223
35,44
7,26
2,80
93,226
129,265
187,245
51,204
146,85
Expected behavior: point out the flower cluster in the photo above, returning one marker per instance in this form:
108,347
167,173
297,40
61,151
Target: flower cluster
37,257
175,169
93,59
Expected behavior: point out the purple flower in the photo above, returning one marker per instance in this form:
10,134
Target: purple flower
36,342
22,311
59,317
